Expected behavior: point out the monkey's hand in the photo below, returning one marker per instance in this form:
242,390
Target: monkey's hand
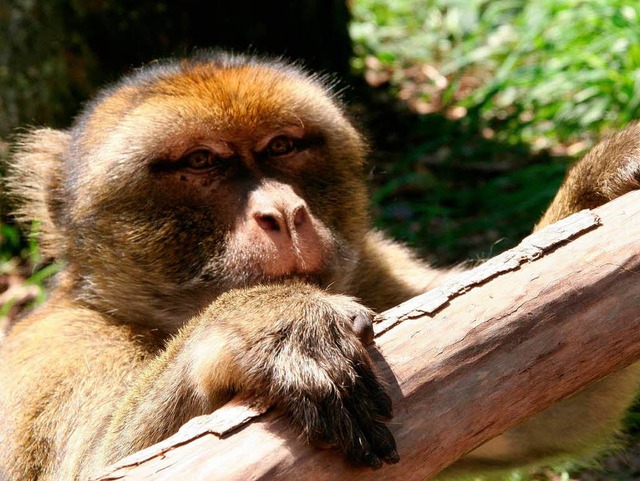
296,346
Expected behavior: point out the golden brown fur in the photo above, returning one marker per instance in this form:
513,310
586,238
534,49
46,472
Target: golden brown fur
189,277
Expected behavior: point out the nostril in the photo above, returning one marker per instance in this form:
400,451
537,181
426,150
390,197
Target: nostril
299,216
267,222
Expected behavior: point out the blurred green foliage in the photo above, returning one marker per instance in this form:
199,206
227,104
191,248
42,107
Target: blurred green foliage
534,83
556,69
21,257
456,195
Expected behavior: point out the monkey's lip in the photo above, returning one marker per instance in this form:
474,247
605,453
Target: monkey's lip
214,278
294,278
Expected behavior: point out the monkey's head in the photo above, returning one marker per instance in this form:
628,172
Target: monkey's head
193,177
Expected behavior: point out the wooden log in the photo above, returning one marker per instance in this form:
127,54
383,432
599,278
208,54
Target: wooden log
487,350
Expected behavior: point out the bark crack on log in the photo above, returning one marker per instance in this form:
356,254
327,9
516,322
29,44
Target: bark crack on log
530,249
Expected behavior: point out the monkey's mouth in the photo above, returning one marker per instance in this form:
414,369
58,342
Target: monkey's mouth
317,278
222,279
314,278
236,268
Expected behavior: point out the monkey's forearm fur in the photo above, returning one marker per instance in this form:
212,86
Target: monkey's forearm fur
211,218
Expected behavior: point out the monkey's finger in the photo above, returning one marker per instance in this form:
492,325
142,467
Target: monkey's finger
331,423
371,441
383,442
373,390
381,400
358,448
317,419
362,325
376,432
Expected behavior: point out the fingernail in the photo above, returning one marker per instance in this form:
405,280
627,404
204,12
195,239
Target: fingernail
372,460
392,458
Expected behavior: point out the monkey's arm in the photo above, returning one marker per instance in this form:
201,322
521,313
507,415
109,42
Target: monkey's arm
291,344
609,170
63,370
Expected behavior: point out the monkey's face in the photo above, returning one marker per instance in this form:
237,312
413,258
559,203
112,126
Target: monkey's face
191,179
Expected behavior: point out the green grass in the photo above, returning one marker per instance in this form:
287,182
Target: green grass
528,79
548,71
22,257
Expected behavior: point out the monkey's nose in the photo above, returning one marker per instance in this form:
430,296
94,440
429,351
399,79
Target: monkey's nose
270,222
281,221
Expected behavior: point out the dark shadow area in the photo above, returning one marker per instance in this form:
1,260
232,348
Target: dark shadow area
55,54
442,186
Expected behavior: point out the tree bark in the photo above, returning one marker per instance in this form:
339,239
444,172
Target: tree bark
463,364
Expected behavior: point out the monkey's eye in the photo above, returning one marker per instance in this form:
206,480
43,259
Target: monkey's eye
280,146
200,159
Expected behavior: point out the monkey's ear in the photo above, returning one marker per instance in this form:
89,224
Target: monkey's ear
34,181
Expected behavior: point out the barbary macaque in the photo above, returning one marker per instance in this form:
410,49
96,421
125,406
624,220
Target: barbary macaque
211,219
